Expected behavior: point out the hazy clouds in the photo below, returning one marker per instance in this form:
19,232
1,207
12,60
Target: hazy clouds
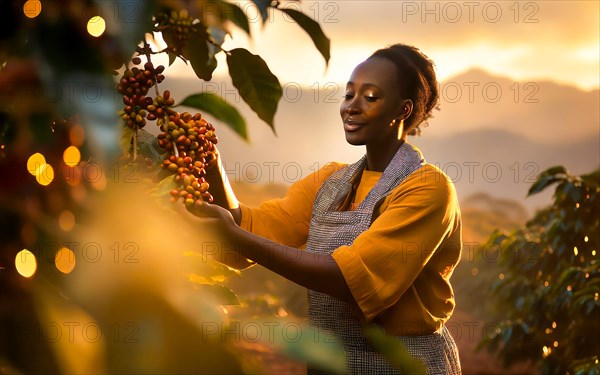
555,40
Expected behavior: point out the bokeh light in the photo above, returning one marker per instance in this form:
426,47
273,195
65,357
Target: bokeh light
44,174
34,162
71,156
64,260
32,8
25,263
546,351
66,220
96,26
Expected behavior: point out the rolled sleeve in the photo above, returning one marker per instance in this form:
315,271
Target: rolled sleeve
246,222
286,220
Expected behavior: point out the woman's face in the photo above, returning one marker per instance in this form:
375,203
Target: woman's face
371,101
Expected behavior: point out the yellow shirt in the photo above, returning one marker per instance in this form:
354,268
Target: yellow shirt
399,269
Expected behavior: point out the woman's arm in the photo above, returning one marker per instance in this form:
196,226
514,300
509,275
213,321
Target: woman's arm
318,272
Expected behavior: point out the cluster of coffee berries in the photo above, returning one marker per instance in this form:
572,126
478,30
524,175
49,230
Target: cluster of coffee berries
189,140
134,86
192,139
160,107
175,26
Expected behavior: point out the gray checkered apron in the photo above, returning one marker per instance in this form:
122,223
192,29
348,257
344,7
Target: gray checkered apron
331,228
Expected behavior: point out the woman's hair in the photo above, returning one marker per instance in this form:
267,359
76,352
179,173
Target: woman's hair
417,82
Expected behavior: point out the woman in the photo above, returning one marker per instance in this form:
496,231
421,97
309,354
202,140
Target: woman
382,235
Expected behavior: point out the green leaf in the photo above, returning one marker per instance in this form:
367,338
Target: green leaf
236,15
395,351
592,179
313,29
222,295
172,41
256,84
198,52
541,184
203,265
125,139
163,188
575,193
552,171
220,109
497,237
567,276
217,36
318,348
172,57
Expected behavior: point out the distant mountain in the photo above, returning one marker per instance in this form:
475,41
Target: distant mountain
504,164
482,214
538,110
511,210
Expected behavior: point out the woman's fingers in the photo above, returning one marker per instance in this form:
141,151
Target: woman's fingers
199,210
209,211
204,209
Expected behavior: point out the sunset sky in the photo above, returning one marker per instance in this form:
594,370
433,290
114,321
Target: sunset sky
523,41
553,40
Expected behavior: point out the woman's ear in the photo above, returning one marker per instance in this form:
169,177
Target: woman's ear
406,109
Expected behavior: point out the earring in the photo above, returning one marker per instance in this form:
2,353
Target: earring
396,120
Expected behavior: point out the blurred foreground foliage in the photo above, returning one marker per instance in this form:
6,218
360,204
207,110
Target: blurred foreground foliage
112,284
